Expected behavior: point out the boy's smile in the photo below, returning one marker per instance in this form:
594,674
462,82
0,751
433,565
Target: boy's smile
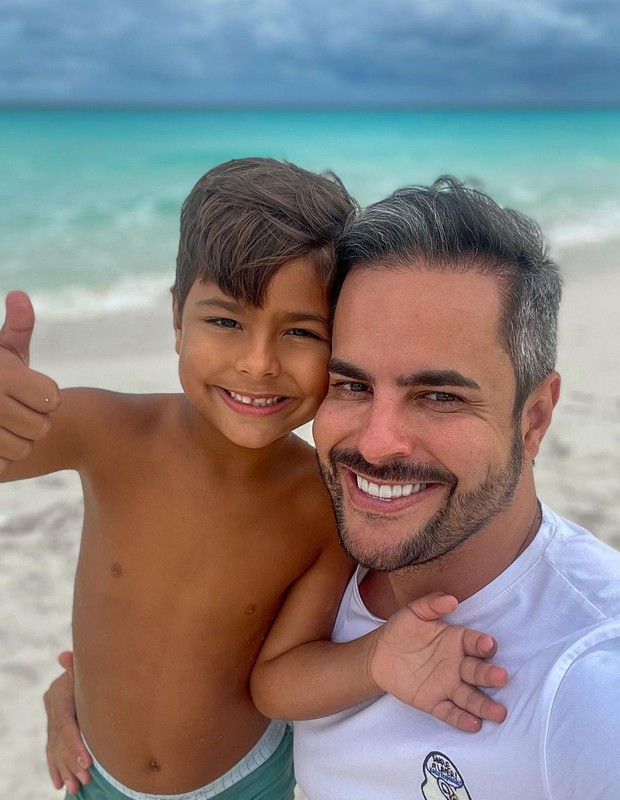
253,373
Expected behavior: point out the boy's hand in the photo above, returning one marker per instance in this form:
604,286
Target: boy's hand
27,398
434,666
68,759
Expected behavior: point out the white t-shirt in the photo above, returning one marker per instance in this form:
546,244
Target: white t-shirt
556,615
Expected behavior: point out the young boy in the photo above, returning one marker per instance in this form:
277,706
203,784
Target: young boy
204,516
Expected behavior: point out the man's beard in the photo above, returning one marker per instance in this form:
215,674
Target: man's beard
463,514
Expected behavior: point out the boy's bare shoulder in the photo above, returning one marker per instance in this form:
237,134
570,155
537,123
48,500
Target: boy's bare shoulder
308,498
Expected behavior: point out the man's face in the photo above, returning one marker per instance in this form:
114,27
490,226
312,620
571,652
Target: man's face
416,437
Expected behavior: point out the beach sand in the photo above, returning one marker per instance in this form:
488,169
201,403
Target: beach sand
40,519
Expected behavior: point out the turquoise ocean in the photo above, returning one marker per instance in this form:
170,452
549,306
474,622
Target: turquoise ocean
90,199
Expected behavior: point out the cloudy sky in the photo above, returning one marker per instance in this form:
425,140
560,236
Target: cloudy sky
334,52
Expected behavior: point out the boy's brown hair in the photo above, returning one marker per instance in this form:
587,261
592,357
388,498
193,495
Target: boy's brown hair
245,218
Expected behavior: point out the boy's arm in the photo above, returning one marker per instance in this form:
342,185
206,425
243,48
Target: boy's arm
68,759
38,433
421,660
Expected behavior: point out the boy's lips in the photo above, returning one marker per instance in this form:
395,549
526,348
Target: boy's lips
253,402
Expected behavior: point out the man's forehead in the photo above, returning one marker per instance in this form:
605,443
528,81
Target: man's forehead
385,292
413,318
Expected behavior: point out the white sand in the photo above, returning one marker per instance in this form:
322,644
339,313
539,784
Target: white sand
40,520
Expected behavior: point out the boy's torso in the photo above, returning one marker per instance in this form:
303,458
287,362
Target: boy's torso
182,569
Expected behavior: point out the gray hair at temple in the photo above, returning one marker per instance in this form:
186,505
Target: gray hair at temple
450,227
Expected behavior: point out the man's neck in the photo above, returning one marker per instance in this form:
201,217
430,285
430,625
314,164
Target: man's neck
466,569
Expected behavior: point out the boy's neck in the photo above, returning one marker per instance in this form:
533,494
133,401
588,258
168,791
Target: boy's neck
228,458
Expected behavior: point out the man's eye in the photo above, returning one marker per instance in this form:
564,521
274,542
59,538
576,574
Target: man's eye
442,398
349,387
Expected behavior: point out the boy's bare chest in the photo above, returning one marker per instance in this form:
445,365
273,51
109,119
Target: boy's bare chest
214,551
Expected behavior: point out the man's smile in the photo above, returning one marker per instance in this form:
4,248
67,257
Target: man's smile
387,491
384,497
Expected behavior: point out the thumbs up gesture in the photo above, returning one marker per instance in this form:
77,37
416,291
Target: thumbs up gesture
27,398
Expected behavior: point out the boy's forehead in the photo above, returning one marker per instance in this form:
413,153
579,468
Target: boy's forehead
295,286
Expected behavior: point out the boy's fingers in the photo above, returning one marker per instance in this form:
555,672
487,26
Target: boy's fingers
13,447
83,777
478,644
451,714
478,704
65,659
54,774
478,673
433,605
23,421
18,325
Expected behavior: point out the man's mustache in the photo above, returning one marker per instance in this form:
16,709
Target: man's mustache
390,471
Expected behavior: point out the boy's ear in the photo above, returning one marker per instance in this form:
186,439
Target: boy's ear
176,324
538,411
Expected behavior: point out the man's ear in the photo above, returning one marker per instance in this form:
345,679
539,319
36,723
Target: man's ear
176,324
537,413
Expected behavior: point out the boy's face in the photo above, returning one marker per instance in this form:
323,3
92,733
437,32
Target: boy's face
254,373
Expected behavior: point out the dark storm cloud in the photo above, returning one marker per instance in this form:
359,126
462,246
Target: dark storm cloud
243,51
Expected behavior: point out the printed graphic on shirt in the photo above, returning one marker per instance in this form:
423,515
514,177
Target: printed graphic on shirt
442,780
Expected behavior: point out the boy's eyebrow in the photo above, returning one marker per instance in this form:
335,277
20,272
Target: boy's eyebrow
236,308
305,316
217,302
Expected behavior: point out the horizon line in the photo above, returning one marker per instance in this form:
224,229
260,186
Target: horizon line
331,107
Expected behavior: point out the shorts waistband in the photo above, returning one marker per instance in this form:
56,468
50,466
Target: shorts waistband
264,748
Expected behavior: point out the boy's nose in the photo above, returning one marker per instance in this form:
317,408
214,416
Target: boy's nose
259,359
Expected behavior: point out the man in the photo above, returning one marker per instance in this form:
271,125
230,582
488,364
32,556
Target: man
442,385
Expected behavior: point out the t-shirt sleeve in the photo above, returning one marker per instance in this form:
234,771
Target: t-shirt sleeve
583,738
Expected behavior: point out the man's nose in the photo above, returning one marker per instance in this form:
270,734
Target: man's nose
259,358
386,432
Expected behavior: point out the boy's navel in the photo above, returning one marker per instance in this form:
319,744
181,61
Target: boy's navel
251,609
116,570
154,765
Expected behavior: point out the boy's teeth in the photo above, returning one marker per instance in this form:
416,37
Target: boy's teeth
250,401
388,491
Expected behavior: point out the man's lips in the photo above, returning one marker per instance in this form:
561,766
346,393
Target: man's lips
385,496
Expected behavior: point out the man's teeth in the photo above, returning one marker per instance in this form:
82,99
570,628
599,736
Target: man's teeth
388,491
259,402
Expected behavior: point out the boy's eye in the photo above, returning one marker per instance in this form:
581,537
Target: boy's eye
223,322
304,333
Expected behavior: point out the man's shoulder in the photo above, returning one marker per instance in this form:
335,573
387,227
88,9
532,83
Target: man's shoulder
583,726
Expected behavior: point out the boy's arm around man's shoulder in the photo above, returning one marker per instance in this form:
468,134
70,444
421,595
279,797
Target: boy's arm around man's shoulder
421,660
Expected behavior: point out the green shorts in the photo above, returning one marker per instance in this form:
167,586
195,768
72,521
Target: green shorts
265,773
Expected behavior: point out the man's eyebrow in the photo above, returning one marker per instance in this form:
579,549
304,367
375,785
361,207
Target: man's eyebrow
340,367
436,377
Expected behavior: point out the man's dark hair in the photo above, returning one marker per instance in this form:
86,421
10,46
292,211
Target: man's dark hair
245,218
450,227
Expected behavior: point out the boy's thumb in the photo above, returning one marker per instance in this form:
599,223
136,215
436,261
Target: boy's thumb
18,325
